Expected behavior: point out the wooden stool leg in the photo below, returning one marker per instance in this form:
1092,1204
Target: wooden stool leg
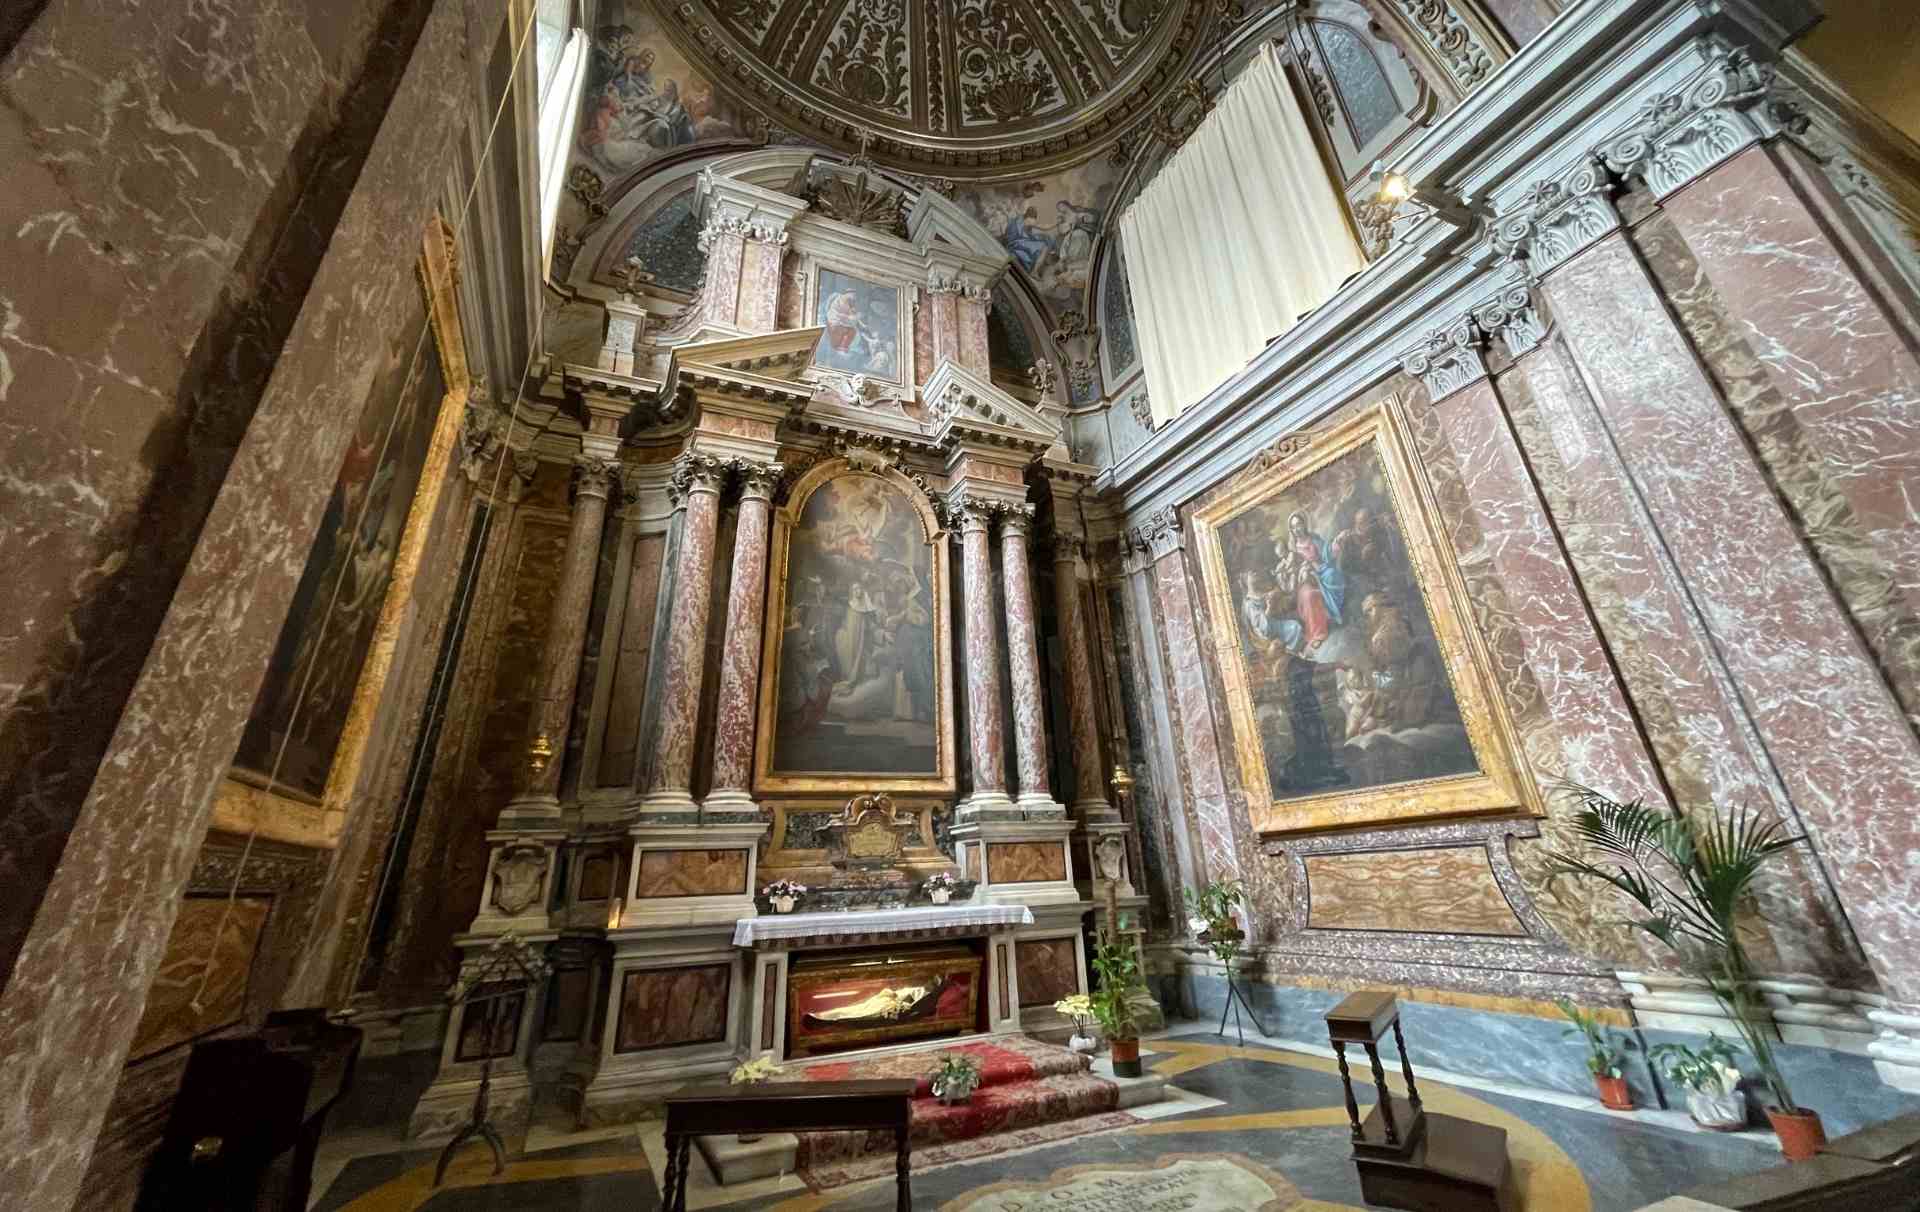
1406,1067
903,1185
686,1164
1386,1095
666,1182
1346,1087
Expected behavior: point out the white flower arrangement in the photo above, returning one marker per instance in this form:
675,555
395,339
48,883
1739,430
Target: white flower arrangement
759,1069
792,888
944,880
1197,924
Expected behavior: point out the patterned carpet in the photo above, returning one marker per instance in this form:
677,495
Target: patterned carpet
1030,1093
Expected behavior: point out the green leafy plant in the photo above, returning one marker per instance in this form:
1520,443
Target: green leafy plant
1210,912
1691,881
1119,972
1708,1069
955,1075
1605,1057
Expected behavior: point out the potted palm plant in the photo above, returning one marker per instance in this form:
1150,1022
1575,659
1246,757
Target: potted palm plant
1606,1060
1691,880
1711,1079
1119,971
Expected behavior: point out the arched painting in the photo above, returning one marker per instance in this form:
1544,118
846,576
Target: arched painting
857,694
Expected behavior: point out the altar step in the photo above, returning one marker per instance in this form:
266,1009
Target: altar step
1031,1092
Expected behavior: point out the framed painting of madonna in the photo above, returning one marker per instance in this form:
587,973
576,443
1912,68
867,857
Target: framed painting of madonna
857,689
1360,691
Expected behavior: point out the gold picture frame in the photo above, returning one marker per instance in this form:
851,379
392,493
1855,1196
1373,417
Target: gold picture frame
941,779
1499,782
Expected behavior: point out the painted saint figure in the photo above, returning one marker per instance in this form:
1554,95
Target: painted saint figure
1306,566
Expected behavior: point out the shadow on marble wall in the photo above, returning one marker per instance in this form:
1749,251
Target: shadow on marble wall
1531,1051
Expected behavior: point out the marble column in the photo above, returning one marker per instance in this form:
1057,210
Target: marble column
1089,789
696,484
986,725
740,660
1023,662
594,478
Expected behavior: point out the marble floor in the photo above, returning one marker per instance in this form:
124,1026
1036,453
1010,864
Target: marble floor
1260,1126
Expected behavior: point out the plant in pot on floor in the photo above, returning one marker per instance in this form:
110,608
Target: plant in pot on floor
1079,1008
955,1078
1691,881
1119,972
1711,1079
940,887
784,894
1606,1060
756,1072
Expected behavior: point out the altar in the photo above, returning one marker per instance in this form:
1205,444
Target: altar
900,975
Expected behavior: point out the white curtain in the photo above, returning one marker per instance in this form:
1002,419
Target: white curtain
1239,234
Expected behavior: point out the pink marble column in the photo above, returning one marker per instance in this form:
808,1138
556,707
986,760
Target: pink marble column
594,479
1023,662
1191,706
1822,709
697,480
1089,781
740,661
760,280
986,726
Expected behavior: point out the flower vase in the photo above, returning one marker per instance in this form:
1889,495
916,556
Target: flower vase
952,1094
782,904
941,895
1718,1112
1083,1044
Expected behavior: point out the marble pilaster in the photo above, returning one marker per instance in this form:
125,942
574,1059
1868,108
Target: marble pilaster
760,280
594,480
1195,736
986,724
1089,790
1826,716
740,662
697,480
1023,664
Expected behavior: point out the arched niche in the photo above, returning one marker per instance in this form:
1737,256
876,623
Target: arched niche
856,691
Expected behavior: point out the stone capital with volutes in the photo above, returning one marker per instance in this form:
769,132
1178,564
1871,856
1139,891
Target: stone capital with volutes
594,476
1016,521
1066,548
1448,359
1515,316
1160,535
758,479
1558,218
697,473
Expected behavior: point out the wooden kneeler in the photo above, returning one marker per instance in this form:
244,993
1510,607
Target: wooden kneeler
790,1107
1408,1158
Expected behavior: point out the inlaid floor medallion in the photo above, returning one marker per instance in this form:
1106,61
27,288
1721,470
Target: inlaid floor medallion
1175,1182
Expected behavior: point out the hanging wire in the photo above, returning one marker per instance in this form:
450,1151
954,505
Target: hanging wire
327,618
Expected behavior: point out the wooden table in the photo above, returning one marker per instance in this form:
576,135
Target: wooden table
793,1107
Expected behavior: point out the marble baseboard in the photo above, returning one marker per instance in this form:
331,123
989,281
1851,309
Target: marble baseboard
1533,1052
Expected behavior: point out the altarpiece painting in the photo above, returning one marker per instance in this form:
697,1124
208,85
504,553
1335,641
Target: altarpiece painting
864,334
857,693
1359,689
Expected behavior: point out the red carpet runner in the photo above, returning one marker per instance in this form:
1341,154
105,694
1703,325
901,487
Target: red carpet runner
1027,1089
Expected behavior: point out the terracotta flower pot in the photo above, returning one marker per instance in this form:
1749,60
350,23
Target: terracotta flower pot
1126,1057
1801,1133
1614,1095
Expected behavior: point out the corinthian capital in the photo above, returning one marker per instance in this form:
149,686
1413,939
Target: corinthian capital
594,476
757,479
694,473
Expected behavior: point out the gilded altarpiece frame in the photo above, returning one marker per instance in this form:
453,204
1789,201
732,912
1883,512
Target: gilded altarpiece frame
841,659
1361,627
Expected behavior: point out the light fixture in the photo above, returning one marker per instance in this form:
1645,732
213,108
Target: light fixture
1394,186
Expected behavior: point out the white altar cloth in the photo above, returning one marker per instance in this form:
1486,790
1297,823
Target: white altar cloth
748,930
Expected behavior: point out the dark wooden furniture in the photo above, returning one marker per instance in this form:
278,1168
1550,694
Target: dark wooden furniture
1876,1169
1408,1158
248,1117
796,1107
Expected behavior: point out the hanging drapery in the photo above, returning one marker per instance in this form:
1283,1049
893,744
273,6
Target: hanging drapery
1239,234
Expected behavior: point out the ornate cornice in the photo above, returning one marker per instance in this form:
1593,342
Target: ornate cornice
1683,133
1448,359
1461,49
762,230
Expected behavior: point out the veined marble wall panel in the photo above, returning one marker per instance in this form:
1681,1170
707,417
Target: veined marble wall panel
672,873
1820,706
1451,891
1824,386
617,751
1049,969
1703,753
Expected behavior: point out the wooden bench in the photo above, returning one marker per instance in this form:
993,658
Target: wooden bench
795,1107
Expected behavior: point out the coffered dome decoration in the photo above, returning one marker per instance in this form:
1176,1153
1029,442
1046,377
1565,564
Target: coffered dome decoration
966,89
